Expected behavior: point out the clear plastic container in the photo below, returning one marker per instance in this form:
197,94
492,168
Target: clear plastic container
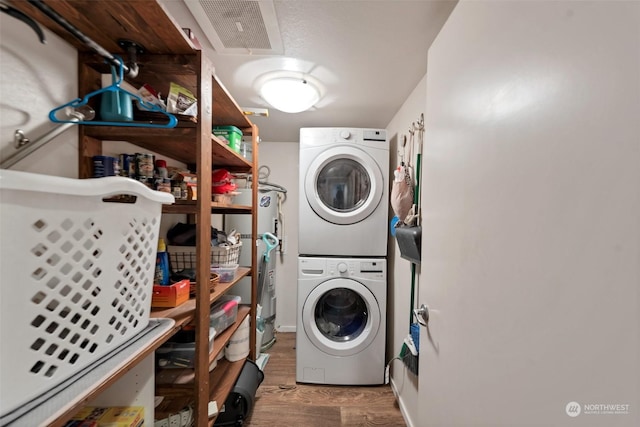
227,272
224,312
179,354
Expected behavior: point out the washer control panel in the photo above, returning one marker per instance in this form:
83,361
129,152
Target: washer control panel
356,268
372,268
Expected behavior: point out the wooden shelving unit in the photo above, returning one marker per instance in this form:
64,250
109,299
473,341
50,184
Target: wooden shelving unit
168,56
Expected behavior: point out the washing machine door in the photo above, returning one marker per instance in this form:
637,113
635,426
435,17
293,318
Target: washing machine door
343,185
341,317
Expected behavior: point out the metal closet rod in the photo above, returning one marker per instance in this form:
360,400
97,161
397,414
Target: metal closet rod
26,147
131,71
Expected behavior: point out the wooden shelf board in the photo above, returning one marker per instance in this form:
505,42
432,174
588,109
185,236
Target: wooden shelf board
190,207
165,142
228,113
144,22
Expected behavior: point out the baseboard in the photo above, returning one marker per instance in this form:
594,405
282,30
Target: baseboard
403,409
281,328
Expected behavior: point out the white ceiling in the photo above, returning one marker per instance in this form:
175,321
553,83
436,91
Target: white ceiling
368,54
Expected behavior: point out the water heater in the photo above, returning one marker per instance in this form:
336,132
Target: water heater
267,213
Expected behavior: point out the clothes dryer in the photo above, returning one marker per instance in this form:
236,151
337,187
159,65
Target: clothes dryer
344,186
341,318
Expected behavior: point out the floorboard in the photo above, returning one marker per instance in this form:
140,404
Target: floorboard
280,401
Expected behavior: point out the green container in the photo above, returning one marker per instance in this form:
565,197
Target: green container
231,134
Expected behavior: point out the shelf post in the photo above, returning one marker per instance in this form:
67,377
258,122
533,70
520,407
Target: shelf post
203,238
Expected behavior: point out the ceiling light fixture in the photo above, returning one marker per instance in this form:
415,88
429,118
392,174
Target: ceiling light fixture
289,93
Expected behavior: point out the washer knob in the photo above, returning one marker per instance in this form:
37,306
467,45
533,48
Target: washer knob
342,267
345,134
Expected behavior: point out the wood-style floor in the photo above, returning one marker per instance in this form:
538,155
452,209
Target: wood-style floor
280,401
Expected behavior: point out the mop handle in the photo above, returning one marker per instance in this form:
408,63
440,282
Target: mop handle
271,242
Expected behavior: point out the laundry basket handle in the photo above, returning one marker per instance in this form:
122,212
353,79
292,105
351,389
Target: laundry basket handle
92,187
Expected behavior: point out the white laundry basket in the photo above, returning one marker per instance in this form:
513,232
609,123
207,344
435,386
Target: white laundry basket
76,275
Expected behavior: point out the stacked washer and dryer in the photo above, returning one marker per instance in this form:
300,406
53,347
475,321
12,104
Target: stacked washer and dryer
342,269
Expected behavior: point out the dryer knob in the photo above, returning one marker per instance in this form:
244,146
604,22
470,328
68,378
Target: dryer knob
342,267
345,134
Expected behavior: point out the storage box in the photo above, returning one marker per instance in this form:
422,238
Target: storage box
77,275
231,134
171,296
180,350
227,272
224,312
181,257
117,416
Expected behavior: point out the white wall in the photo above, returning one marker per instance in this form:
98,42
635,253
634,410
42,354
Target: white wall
531,243
36,78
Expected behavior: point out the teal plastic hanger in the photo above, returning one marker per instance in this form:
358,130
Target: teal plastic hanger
117,94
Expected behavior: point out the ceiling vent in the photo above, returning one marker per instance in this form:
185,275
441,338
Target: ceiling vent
239,26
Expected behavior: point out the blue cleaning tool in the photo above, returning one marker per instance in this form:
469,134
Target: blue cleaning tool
271,242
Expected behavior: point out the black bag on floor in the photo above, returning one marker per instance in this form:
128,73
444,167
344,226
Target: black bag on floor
240,401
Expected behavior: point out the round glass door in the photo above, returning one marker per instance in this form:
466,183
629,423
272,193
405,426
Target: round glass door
341,317
344,185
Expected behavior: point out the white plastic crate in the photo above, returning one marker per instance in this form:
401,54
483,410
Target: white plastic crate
76,275
181,257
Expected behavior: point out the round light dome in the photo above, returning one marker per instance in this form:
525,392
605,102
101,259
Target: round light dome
290,94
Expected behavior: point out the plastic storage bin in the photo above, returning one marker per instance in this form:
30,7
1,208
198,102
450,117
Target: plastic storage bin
76,269
224,312
180,350
181,257
227,272
231,134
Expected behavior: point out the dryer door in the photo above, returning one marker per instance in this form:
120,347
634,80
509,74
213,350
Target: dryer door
341,317
343,185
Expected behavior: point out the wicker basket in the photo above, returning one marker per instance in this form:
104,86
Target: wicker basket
213,281
181,257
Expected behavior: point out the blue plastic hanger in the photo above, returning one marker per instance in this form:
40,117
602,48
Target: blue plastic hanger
117,91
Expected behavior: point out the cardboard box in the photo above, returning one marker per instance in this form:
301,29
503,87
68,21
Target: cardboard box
170,296
117,416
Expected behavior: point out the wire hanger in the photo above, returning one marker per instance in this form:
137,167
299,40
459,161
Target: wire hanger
79,103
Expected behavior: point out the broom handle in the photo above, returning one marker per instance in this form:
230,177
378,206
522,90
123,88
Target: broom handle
413,288
416,202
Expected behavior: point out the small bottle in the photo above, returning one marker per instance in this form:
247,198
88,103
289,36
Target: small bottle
176,190
184,194
162,264
161,168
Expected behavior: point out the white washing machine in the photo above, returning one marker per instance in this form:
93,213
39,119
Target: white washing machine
341,320
344,186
